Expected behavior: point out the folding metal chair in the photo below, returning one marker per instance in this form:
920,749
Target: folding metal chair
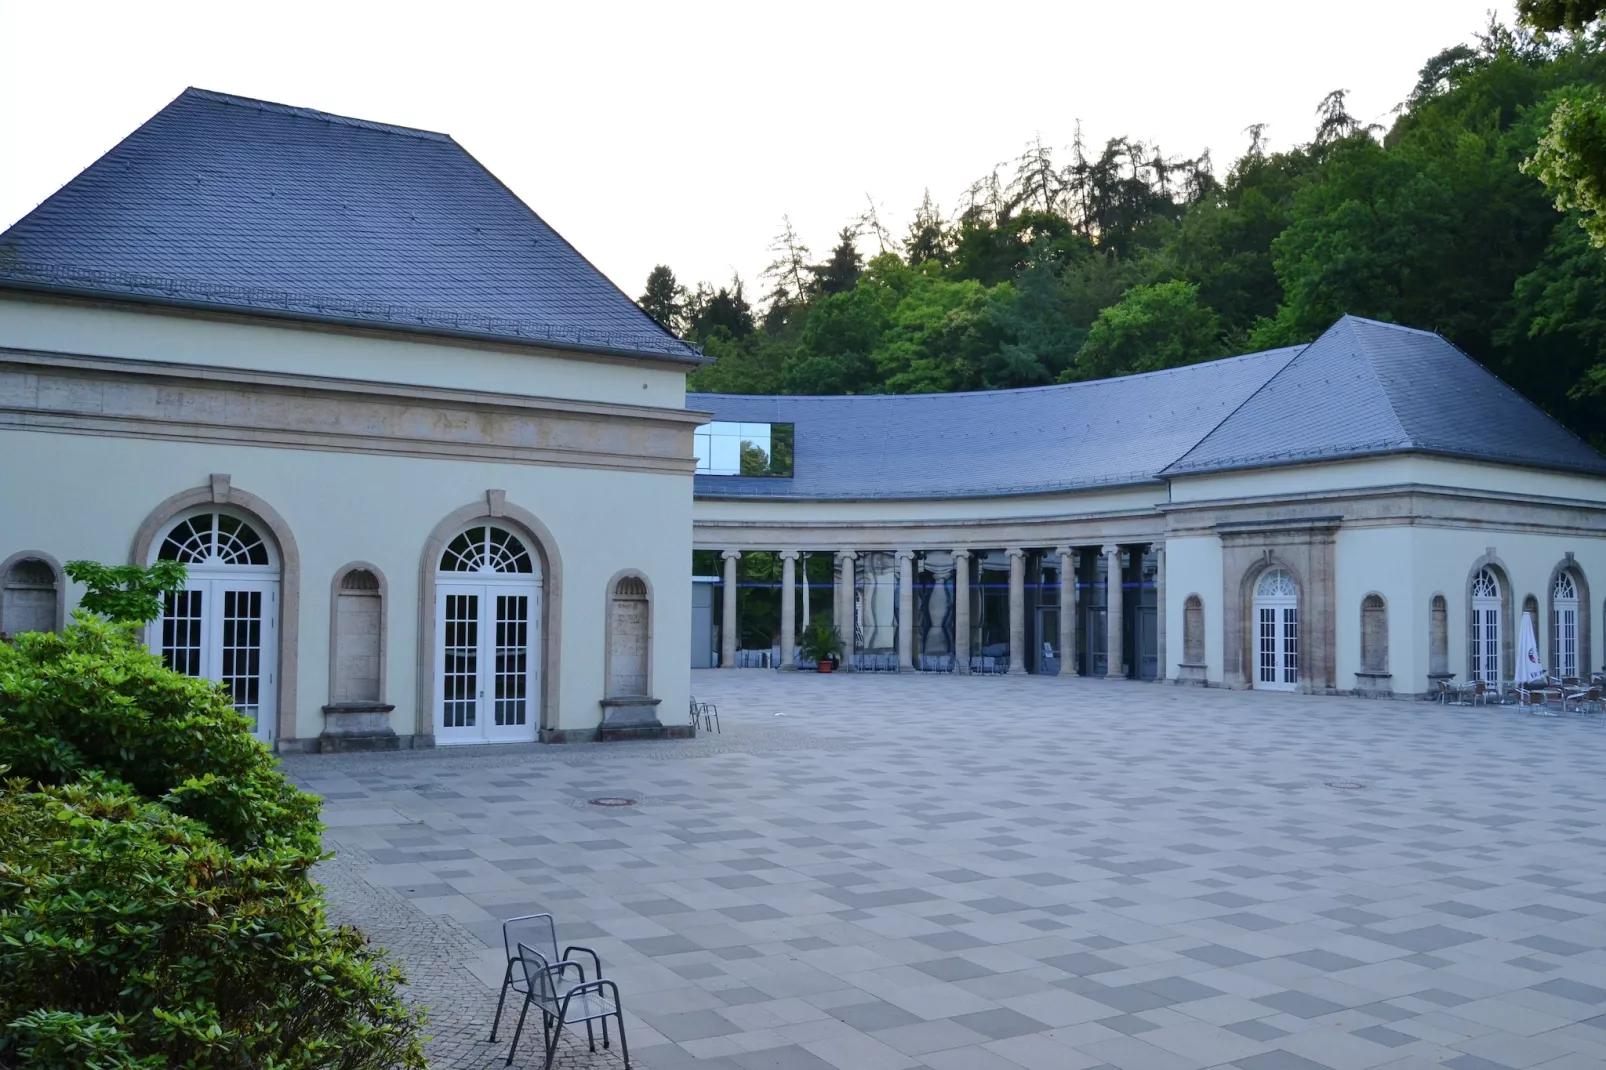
566,1003
527,929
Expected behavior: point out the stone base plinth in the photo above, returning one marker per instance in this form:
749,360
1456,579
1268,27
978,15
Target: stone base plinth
630,718
1193,675
357,726
1374,685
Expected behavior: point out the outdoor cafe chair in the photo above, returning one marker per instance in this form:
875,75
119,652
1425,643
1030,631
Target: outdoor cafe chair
530,929
709,715
565,1002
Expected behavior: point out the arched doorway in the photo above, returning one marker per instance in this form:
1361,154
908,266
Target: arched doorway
1564,626
1486,628
224,625
488,630
1276,607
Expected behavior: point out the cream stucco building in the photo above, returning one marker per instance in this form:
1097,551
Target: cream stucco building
1370,513
437,481
430,471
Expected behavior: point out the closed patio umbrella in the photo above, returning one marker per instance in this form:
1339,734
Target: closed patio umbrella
1529,667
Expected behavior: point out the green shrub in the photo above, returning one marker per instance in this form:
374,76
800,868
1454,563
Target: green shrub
129,937
93,699
126,593
155,902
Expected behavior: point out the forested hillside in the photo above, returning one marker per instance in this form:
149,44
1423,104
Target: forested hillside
1098,261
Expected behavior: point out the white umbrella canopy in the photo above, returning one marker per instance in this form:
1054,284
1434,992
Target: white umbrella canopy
1529,667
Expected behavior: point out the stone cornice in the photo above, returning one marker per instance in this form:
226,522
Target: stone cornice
73,393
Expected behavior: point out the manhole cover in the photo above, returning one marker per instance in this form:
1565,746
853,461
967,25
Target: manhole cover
612,800
1344,784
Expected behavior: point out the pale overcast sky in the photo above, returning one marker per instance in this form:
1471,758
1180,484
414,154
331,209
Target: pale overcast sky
680,132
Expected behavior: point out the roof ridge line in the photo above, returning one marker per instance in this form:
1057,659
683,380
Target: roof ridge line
1295,355
258,104
1364,351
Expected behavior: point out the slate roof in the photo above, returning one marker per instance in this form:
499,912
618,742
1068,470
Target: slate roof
1364,388
223,202
989,443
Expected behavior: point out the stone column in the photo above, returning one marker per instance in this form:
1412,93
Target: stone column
1114,597
1067,611
962,612
788,610
1159,610
844,606
906,610
727,625
1017,610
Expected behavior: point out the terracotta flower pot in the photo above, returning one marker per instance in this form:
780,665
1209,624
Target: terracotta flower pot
824,666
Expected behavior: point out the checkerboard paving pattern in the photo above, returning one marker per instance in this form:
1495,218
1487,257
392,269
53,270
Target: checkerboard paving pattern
895,872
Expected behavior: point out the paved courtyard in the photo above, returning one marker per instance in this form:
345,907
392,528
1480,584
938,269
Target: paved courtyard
994,873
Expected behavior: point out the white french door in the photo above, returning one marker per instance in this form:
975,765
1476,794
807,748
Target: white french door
486,686
1485,640
225,629
1277,647
1276,610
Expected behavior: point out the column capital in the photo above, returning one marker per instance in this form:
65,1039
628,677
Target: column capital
1109,549
846,555
904,555
961,553
1065,551
730,555
1014,551
791,555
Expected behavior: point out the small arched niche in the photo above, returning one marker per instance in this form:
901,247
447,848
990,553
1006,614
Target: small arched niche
356,675
1439,638
357,717
1191,670
1374,634
628,627
30,596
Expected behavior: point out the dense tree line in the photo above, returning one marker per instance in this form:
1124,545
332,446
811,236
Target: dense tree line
1473,215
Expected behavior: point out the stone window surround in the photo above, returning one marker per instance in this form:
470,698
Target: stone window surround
607,625
1305,548
1508,619
1569,565
334,622
494,509
56,570
219,490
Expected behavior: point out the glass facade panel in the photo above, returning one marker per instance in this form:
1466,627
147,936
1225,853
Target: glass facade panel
724,448
934,611
875,623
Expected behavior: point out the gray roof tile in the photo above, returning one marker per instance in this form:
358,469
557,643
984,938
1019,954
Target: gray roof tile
1364,388
995,442
223,202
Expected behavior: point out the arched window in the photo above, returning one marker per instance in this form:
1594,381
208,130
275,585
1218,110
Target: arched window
1439,636
1564,626
1483,645
357,669
1374,634
629,626
1276,609
224,625
488,627
1193,630
487,549
30,597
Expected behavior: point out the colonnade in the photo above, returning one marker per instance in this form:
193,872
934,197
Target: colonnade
843,607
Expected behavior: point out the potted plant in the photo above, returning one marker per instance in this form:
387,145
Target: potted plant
821,644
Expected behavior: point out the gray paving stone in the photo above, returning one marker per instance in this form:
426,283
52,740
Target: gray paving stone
933,848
